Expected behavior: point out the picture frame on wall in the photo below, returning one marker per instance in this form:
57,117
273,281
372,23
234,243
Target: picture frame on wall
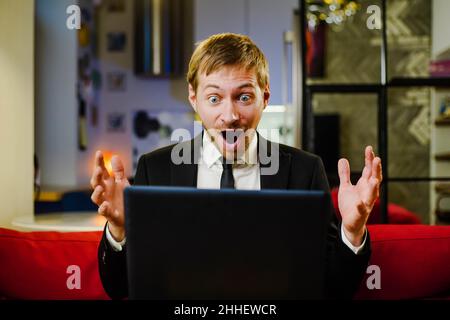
115,5
115,122
151,130
116,81
315,51
116,41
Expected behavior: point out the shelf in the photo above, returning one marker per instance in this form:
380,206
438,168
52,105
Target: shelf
416,179
343,88
443,215
442,122
420,82
442,188
375,87
442,156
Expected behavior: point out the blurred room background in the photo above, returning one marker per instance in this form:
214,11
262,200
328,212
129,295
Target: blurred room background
341,77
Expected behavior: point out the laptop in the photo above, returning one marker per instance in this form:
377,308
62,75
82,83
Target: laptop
188,243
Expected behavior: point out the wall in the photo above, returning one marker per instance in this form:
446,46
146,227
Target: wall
268,20
201,19
56,125
16,109
351,56
56,108
440,26
62,163
154,94
215,16
263,20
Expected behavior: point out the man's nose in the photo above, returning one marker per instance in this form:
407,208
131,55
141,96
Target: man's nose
230,113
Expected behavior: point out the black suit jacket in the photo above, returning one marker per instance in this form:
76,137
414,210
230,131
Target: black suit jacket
297,170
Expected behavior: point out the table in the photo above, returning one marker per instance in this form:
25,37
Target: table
62,221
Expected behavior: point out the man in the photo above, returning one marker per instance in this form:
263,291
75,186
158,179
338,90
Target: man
229,89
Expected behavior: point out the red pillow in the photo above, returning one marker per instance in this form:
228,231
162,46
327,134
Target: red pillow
38,265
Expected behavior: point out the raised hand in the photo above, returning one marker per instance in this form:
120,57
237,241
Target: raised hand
108,193
356,201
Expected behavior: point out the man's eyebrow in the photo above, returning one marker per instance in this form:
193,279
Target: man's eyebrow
246,85
212,86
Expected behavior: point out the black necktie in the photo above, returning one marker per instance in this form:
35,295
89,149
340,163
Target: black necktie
227,179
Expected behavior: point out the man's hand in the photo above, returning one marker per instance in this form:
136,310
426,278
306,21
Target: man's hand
108,193
356,201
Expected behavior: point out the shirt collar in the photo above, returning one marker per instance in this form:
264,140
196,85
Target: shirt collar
211,154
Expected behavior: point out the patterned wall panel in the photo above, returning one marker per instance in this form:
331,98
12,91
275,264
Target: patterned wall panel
358,122
353,56
409,147
409,30
352,51
409,53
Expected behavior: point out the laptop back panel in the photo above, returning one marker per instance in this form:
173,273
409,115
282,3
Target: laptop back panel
186,243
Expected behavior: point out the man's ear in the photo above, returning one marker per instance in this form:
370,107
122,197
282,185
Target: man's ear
266,95
192,97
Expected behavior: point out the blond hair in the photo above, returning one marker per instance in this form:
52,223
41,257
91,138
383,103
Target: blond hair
227,49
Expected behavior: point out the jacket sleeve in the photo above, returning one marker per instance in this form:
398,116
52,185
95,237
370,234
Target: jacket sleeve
344,269
113,264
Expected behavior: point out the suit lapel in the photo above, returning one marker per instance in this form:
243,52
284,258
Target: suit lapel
185,174
271,178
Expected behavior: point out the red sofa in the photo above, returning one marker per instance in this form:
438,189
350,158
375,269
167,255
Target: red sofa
414,263
34,265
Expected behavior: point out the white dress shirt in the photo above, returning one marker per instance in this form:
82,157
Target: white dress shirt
245,170
246,175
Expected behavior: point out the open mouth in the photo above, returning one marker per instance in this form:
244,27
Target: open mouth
231,136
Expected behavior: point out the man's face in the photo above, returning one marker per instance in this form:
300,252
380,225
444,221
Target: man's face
230,103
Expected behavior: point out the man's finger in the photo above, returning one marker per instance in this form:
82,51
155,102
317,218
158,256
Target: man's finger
100,162
344,171
368,158
97,178
377,171
97,195
117,168
374,185
366,173
105,209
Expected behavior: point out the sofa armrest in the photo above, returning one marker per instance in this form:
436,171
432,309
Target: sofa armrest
414,262
37,265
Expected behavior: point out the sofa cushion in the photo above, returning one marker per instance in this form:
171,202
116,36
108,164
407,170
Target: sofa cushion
414,262
37,265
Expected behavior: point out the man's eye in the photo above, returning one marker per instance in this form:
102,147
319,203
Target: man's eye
213,99
244,98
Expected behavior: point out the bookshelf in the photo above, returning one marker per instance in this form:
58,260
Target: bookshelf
440,158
